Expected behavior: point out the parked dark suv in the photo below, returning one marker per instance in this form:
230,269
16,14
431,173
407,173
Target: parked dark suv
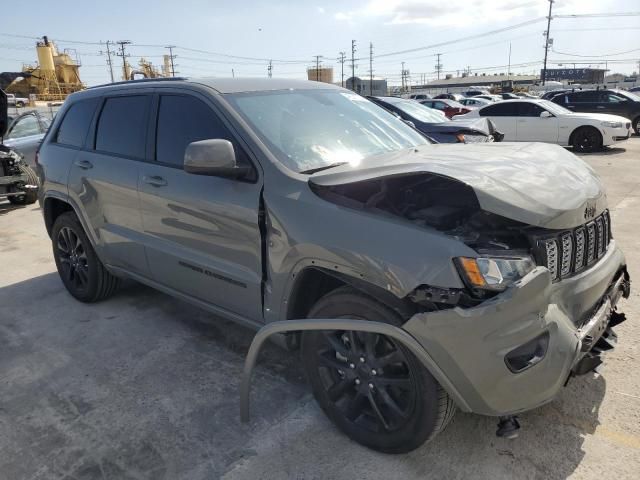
616,102
416,278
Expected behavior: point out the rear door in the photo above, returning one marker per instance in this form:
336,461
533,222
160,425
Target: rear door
202,233
613,104
534,128
103,179
504,115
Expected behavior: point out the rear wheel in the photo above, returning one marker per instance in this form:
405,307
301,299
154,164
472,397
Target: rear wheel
370,386
79,267
587,139
636,126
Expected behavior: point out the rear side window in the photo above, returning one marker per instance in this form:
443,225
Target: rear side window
589,96
122,126
526,109
508,109
76,122
184,119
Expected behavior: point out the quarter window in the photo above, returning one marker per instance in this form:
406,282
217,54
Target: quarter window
75,124
122,126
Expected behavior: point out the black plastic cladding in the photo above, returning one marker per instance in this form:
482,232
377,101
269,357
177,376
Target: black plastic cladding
569,252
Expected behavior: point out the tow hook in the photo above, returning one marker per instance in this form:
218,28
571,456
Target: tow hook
508,427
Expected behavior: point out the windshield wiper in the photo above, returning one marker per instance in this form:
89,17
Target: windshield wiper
325,167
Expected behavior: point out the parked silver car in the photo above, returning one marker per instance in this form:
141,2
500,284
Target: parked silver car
415,278
25,134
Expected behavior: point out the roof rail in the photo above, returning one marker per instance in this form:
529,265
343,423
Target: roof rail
140,80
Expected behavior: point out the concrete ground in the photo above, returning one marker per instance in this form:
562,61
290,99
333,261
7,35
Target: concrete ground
143,386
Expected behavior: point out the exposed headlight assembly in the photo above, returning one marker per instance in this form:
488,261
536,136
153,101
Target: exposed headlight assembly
493,273
611,124
466,138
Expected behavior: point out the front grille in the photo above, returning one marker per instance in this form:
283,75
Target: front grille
569,252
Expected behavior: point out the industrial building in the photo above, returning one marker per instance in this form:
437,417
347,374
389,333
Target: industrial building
366,86
320,74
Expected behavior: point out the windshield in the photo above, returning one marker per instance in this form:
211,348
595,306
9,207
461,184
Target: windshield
554,107
313,129
420,112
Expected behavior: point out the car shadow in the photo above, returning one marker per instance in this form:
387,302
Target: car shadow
159,379
605,151
6,207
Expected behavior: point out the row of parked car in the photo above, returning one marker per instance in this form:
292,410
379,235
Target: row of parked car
586,120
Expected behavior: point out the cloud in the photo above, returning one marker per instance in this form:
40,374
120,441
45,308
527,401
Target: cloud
320,9
459,12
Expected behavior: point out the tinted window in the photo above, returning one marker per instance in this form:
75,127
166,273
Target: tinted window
122,126
182,120
608,97
76,122
508,109
526,109
25,126
584,97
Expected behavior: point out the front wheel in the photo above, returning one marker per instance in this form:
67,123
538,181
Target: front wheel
586,140
370,386
30,196
636,126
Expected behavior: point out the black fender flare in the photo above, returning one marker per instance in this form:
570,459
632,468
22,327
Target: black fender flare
310,324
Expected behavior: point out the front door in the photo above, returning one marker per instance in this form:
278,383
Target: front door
534,128
202,233
504,115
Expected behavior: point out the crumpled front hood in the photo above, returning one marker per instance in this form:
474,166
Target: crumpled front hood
535,183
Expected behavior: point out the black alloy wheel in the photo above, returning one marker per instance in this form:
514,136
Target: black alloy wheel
587,139
73,259
367,378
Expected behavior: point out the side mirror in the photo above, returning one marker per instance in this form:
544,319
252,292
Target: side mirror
215,157
546,114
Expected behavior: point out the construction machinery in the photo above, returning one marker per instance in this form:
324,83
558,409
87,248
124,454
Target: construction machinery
55,76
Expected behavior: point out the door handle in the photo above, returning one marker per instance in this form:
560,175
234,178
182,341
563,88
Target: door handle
154,180
84,164
600,107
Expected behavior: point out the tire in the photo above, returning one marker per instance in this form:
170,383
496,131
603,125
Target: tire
389,402
636,126
30,196
586,140
80,269
20,104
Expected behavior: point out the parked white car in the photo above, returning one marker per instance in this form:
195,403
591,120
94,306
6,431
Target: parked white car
529,120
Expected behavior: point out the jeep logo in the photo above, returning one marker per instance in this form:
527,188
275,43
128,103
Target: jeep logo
589,212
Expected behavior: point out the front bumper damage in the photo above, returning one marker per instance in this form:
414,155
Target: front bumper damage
465,348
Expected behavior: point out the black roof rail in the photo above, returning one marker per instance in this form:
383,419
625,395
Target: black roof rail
141,80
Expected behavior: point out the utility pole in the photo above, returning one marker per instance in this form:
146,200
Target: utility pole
108,53
269,68
171,57
438,65
353,65
124,56
341,59
546,44
318,57
509,67
370,68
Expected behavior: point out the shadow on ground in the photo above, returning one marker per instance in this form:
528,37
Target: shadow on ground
146,386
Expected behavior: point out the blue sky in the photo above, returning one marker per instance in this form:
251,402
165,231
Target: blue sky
291,33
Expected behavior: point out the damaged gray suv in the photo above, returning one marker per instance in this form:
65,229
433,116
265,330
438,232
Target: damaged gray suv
415,278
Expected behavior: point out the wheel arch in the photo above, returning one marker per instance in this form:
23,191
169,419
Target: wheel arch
55,204
313,282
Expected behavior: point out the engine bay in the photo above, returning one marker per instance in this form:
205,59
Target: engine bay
432,201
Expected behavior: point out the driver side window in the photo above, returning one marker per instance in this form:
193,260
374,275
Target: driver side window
24,127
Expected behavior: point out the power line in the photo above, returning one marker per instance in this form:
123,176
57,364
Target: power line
592,56
124,56
171,59
341,59
546,44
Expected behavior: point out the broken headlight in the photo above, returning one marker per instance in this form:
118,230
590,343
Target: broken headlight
493,273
